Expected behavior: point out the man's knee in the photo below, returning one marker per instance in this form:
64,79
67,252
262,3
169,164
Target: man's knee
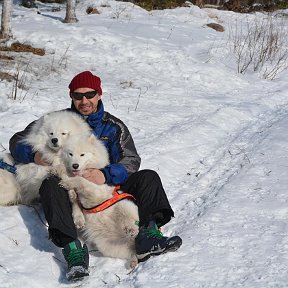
50,186
148,174
52,179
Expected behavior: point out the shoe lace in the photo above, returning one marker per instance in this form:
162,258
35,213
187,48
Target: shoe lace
154,233
75,257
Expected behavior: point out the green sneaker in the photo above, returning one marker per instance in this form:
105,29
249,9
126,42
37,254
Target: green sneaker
77,258
151,242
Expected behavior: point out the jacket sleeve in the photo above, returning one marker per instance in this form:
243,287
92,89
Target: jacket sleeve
20,151
124,158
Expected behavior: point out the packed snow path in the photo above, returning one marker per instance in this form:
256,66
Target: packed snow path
241,239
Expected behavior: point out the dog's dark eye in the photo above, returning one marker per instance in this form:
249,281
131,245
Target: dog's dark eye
70,154
51,133
82,155
64,133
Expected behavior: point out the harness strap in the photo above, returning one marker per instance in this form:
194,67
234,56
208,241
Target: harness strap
109,202
7,167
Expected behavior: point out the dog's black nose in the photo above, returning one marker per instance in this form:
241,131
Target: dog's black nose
54,140
75,166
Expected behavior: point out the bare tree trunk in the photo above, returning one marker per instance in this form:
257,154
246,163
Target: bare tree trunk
70,12
5,32
200,3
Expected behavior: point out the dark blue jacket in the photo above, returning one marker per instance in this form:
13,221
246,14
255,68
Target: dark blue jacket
124,159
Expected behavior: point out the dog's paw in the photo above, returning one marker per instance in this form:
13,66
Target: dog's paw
79,221
53,171
131,231
64,184
57,170
71,183
72,195
133,262
68,183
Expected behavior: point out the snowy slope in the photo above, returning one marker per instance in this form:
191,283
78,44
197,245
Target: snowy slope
217,139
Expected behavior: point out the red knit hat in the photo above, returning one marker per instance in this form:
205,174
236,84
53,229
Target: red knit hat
86,80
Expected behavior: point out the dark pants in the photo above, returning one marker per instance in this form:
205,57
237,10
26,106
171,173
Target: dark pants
144,185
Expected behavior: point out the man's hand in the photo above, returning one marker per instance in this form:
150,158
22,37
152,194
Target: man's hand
38,159
94,175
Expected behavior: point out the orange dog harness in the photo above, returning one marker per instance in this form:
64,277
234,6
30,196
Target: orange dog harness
109,202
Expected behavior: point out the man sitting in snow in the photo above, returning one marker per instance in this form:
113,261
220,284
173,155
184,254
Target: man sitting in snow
145,185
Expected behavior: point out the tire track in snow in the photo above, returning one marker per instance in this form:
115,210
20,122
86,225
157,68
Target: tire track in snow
192,198
200,193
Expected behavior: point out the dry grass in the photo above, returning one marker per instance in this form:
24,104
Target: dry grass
11,56
260,46
92,10
6,58
6,76
20,47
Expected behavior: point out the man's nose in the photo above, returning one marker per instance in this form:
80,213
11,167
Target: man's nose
84,99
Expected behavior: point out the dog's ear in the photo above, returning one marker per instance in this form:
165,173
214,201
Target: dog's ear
92,139
44,118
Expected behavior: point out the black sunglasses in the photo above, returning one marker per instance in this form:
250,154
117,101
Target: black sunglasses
79,96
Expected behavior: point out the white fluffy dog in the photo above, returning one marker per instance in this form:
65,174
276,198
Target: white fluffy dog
112,230
47,136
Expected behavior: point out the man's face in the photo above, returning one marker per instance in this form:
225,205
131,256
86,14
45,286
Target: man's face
86,106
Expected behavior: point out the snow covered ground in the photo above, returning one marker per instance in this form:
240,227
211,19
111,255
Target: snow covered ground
217,138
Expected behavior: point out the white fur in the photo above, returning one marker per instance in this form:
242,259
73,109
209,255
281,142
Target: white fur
112,230
9,188
47,136
52,130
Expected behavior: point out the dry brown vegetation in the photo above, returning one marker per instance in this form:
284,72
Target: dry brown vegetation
215,26
20,47
6,58
13,55
6,76
92,10
260,46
